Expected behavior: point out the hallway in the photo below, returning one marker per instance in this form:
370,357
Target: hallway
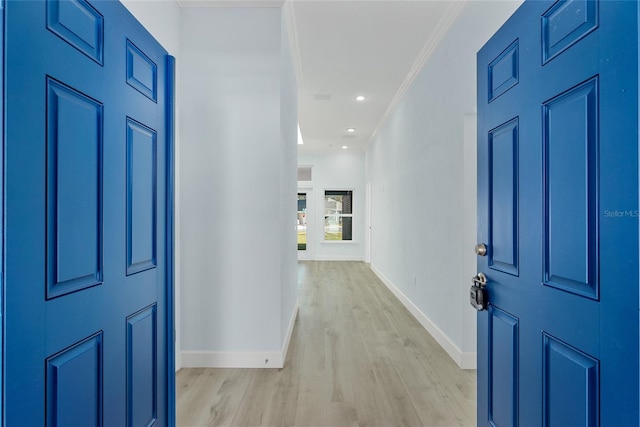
356,358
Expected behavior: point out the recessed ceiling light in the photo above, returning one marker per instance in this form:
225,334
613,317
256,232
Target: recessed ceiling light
344,147
360,98
351,130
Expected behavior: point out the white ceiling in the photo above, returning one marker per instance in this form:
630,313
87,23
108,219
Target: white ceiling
347,48
344,48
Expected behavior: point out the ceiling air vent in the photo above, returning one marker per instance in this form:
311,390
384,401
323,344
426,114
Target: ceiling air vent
304,173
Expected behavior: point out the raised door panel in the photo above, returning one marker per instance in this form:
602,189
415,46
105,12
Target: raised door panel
570,149
503,197
142,396
79,24
570,386
503,368
141,197
74,385
74,190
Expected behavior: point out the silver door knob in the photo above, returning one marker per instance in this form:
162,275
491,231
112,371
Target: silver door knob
481,249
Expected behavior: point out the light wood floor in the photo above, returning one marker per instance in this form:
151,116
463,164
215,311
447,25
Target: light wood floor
356,358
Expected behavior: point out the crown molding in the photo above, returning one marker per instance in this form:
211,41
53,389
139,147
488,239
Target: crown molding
438,34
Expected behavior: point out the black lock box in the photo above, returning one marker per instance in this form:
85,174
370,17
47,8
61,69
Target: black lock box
478,297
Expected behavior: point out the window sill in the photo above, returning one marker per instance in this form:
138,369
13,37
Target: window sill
338,242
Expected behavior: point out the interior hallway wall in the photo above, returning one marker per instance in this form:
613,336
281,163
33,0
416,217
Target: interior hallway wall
423,196
238,158
162,19
341,170
288,194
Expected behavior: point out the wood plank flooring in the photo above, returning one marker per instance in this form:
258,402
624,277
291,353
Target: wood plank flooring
357,358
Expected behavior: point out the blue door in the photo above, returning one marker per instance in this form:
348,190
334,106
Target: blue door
87,290
558,215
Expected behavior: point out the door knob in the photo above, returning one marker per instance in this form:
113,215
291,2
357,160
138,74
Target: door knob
481,249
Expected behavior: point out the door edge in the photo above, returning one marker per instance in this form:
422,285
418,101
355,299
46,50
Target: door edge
169,236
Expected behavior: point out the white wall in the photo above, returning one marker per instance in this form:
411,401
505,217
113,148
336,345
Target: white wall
162,20
342,170
423,196
288,194
238,142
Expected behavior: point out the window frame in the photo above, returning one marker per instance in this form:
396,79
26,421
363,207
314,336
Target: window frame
337,216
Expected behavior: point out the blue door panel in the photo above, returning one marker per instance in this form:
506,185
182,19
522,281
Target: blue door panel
141,197
79,24
142,72
85,208
565,23
503,368
564,75
570,153
503,204
503,71
74,385
141,367
570,386
74,193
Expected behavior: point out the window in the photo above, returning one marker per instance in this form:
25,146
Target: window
338,215
302,221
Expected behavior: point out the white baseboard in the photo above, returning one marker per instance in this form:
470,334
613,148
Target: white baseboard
463,360
178,362
468,360
287,340
231,359
240,359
